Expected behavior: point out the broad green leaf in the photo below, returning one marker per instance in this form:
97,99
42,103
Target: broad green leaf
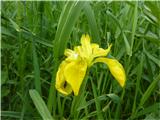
115,98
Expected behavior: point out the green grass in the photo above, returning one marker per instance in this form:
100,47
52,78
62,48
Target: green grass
34,36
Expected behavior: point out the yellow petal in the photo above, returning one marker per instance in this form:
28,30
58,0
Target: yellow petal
68,52
115,68
74,74
61,84
97,51
86,45
79,50
71,55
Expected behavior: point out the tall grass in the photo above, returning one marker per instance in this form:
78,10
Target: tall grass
34,37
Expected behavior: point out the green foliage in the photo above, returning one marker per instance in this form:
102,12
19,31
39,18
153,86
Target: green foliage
34,37
40,105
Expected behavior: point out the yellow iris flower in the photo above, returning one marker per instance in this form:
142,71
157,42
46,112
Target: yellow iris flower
72,70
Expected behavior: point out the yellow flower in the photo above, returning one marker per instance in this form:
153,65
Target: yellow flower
72,70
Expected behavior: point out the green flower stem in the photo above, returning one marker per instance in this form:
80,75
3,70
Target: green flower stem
76,100
52,91
98,106
118,109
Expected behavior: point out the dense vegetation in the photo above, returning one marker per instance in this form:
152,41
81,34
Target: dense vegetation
34,37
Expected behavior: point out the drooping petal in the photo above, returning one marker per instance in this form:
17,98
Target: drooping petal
97,51
61,85
115,68
74,74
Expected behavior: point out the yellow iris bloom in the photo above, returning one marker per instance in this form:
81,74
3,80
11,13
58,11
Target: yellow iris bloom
72,70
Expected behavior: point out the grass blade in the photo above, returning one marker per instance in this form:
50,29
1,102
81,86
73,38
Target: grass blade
154,59
98,107
92,21
11,114
128,48
16,27
152,108
149,91
36,69
127,45
66,24
40,105
134,26
139,74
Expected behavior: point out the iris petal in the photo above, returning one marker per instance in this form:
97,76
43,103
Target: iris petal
99,52
74,74
73,69
79,50
86,45
61,84
69,52
115,68
71,55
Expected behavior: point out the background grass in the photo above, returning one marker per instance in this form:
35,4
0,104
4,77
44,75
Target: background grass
34,36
